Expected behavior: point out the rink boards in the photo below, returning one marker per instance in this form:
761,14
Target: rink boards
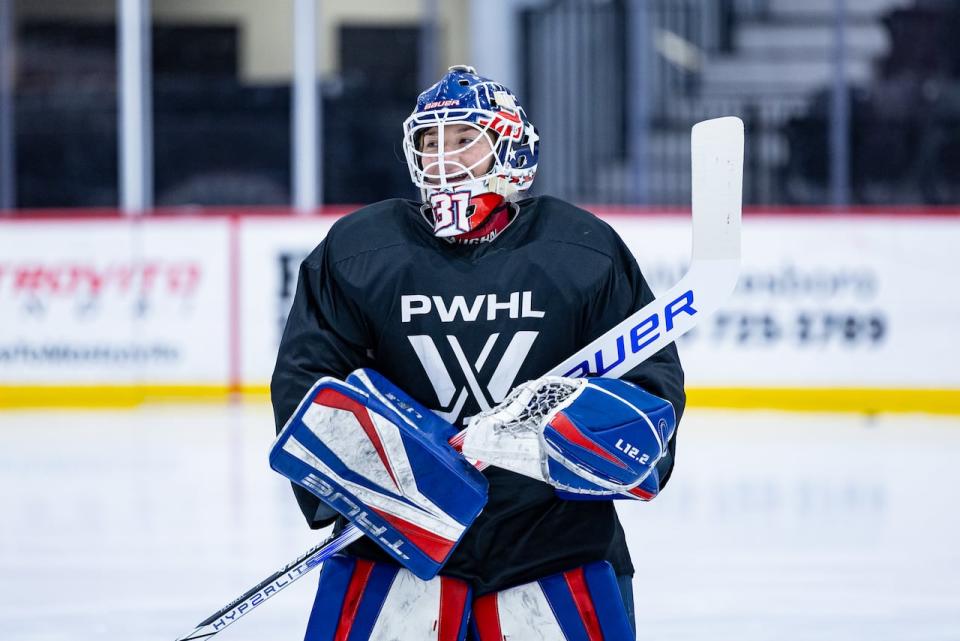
855,311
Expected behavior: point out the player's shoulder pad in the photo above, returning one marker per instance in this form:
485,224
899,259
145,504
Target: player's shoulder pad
371,228
560,221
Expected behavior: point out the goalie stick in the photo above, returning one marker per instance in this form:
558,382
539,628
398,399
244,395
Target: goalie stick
716,186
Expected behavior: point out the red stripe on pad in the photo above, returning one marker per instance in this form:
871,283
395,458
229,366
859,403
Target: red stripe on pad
584,602
643,494
453,601
351,601
569,431
338,400
487,617
434,546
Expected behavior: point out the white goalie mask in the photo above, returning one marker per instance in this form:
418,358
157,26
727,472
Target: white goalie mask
469,147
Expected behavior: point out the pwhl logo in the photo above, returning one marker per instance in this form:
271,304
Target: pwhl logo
453,374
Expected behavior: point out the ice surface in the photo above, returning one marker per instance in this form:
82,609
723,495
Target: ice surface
137,524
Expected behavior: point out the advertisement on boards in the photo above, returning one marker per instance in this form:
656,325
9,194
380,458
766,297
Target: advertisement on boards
114,302
823,301
271,250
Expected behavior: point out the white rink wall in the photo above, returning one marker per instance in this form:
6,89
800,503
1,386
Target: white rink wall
864,304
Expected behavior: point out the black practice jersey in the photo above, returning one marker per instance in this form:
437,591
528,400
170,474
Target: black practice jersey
458,326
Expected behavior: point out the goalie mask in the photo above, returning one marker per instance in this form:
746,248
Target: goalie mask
469,148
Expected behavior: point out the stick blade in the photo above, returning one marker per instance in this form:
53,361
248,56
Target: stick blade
716,150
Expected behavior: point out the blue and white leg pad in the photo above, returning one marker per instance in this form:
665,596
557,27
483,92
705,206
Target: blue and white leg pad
360,600
579,605
381,459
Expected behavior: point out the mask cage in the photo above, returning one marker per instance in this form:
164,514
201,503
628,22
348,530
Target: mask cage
420,163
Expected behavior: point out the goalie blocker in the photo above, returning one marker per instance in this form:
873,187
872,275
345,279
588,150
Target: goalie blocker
382,460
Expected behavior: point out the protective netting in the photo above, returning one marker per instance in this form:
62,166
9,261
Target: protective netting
527,405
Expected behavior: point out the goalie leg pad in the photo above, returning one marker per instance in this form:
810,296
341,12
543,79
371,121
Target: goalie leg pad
584,604
360,600
608,437
373,460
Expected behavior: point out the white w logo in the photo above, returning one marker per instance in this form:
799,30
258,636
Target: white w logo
452,398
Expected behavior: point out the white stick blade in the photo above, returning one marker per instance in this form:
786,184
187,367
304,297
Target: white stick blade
716,150
717,174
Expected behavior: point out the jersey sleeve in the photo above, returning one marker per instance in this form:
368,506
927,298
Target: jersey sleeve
623,292
325,335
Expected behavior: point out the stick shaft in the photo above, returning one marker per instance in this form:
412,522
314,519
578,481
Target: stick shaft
272,584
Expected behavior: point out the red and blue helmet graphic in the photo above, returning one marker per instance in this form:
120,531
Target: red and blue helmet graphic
467,137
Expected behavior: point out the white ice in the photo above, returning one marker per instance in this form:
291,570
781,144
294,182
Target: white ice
137,524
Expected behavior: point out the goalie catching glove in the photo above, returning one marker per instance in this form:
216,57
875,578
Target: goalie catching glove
382,460
594,438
